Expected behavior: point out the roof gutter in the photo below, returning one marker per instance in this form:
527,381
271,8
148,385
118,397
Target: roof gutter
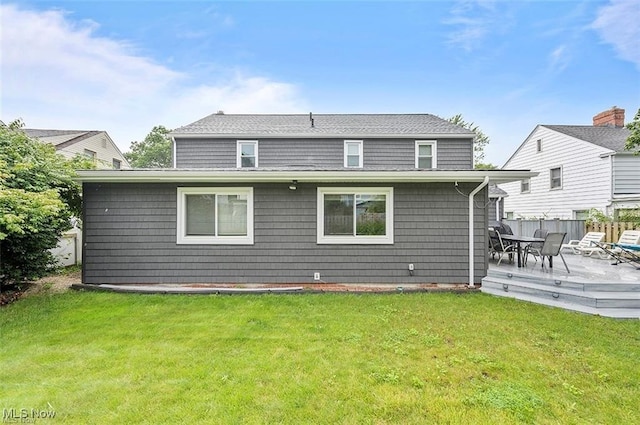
177,175
471,238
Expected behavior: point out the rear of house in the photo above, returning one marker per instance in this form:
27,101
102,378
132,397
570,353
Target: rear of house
296,199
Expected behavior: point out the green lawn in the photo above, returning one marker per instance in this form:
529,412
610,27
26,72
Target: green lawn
317,359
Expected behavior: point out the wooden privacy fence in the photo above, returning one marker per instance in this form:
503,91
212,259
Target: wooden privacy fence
612,231
575,229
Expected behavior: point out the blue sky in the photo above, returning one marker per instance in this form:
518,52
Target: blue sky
125,66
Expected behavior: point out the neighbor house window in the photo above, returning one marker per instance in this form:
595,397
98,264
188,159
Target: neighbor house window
90,154
353,153
247,154
525,186
215,215
555,178
426,154
581,214
355,215
539,145
116,164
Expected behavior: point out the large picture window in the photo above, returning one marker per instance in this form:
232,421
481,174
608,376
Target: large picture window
209,215
355,215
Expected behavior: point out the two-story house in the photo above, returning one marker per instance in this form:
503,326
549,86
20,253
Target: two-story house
296,199
96,145
579,167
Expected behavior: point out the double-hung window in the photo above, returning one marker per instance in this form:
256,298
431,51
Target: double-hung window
215,215
426,154
353,153
525,186
247,154
355,215
555,175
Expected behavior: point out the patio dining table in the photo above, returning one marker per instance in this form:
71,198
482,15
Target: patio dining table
518,240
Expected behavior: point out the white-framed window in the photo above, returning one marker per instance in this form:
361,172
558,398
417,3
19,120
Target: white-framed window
539,145
90,154
247,154
555,178
353,154
355,215
117,164
426,154
525,186
215,215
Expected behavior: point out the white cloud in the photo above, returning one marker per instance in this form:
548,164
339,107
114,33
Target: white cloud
559,59
57,73
618,24
473,21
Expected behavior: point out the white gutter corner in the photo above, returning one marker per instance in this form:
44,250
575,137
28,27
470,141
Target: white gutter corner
471,239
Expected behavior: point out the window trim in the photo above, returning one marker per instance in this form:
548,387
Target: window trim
538,145
434,153
360,153
239,144
181,225
356,240
551,187
528,186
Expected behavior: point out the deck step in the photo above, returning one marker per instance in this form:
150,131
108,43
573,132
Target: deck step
618,300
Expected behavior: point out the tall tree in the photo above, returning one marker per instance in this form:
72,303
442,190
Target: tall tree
153,152
633,141
480,141
38,196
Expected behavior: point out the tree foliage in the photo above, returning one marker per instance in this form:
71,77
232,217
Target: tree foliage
37,199
153,152
480,141
633,141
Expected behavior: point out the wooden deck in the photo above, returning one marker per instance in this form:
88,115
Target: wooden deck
594,286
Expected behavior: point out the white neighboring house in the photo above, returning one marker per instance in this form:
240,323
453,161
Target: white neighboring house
96,145
580,167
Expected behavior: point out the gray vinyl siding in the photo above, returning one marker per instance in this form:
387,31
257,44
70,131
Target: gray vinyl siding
130,237
453,154
626,174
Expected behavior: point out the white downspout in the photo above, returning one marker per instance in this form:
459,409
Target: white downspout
173,152
471,256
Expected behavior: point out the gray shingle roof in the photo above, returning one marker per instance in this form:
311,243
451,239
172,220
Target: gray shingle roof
612,138
323,125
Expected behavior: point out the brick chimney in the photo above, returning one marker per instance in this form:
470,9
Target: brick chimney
614,117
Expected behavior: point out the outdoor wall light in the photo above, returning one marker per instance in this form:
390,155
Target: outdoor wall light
293,185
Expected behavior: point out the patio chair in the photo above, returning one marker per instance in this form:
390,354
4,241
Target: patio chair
552,247
575,245
498,247
534,248
628,237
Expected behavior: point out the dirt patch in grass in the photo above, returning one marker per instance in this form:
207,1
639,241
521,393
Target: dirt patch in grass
53,284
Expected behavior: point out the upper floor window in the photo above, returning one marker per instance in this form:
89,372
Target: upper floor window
90,154
539,145
525,186
361,215
247,154
555,175
353,153
426,154
214,215
117,164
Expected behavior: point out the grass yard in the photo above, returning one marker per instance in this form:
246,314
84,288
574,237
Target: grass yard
315,359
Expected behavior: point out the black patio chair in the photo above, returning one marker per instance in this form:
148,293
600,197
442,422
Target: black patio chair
551,248
534,248
498,247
